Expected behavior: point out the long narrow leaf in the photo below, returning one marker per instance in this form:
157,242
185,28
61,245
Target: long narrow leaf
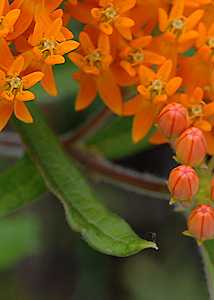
103,230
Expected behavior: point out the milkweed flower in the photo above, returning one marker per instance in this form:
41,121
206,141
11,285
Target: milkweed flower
199,111
13,93
46,48
201,223
95,76
135,54
7,18
154,90
183,183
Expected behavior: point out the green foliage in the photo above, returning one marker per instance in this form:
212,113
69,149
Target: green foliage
114,140
103,230
20,185
19,236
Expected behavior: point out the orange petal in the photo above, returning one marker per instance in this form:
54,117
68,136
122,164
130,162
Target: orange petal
85,42
31,79
11,17
193,19
122,22
67,46
143,121
110,92
106,28
6,110
54,60
54,28
208,110
146,74
125,32
203,125
122,77
157,138
141,42
87,92
210,142
198,95
128,68
201,36
173,85
36,36
22,113
165,70
67,33
17,66
163,19
25,96
153,58
187,36
177,9
77,59
6,57
132,106
48,81
103,43
124,5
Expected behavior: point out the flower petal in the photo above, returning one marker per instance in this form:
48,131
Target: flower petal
132,106
22,113
31,79
37,34
25,96
143,121
173,85
17,66
157,138
48,81
6,110
165,70
87,92
54,28
177,9
110,92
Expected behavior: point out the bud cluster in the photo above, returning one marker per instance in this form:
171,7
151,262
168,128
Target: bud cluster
190,146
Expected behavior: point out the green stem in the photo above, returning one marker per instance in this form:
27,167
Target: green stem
208,260
210,167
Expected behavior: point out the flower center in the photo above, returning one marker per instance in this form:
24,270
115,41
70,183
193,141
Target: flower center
12,85
108,14
135,56
210,43
176,26
47,47
156,87
94,59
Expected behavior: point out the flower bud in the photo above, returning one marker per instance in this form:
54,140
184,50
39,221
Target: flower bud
173,120
183,183
191,147
201,223
212,190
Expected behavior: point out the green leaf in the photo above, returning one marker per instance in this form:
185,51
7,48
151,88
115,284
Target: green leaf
207,251
19,236
114,140
103,230
20,185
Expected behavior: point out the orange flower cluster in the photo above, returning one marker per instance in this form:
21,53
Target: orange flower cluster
165,49
32,40
162,48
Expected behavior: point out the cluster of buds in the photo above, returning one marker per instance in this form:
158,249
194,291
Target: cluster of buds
190,146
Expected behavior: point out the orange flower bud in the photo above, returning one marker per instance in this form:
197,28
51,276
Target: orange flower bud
201,223
173,120
183,183
212,190
191,147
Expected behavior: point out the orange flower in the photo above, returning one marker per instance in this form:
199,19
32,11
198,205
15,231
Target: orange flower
112,14
134,55
177,27
32,10
154,91
95,75
198,110
7,19
48,50
12,93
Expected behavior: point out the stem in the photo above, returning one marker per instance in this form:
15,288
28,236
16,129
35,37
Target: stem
88,128
119,173
210,167
209,269
102,167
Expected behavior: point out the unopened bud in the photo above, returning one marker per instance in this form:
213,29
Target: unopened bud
191,147
183,183
173,120
201,223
